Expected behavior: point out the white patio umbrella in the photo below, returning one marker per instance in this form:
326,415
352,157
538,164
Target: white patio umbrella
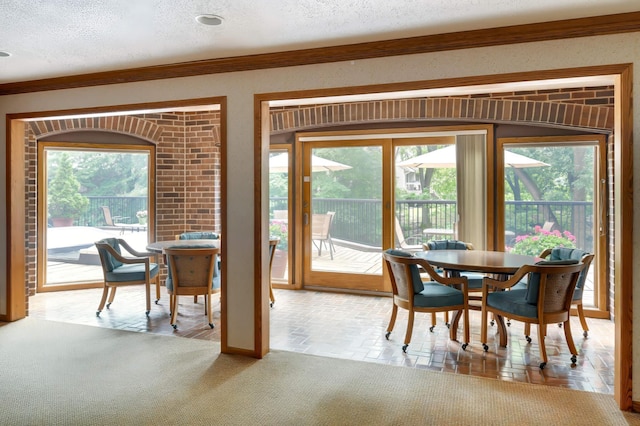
280,164
446,157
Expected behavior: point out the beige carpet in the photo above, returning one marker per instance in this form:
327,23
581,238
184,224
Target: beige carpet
64,374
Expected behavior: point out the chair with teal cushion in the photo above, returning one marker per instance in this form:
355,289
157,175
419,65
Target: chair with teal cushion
191,271
202,235
546,300
474,278
441,294
119,270
564,253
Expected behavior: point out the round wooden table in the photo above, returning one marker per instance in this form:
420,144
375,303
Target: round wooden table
499,263
159,246
489,262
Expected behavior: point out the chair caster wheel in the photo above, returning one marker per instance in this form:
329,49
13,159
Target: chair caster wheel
271,305
508,323
528,339
560,325
157,300
211,325
98,313
108,304
464,346
404,348
542,365
431,328
485,347
573,360
147,313
492,323
387,334
175,326
585,334
448,325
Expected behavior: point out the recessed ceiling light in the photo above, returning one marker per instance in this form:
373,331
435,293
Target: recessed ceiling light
4,54
209,19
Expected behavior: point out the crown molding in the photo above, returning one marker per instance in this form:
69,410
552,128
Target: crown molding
553,30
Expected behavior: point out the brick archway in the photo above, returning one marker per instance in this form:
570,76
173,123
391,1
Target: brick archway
487,110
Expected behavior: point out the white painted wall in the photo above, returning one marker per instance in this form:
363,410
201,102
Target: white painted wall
239,88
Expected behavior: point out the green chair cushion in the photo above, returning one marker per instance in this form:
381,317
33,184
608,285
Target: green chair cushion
437,295
111,262
199,236
131,272
564,253
512,301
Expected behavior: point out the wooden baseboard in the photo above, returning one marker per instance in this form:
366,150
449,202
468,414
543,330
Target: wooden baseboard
635,406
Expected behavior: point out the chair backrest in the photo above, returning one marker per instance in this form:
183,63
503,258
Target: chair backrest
553,283
320,225
447,245
106,212
281,214
273,243
190,267
566,253
401,241
109,263
548,226
198,236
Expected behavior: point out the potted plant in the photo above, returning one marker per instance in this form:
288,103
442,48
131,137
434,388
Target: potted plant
65,203
541,239
142,217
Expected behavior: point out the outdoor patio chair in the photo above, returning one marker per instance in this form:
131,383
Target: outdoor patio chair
441,294
410,244
119,270
191,271
474,278
321,232
546,300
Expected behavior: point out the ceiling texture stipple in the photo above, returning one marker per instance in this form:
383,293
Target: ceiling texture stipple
59,38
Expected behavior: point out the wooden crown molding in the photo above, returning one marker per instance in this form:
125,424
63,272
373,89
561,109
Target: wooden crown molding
554,30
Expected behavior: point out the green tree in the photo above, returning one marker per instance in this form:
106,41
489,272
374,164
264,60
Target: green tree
63,195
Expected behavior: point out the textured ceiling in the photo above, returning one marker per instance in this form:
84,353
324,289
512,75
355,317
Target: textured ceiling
53,38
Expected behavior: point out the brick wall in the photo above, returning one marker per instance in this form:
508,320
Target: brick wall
187,169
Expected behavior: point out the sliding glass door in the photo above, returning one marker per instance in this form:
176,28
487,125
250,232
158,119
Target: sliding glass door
554,195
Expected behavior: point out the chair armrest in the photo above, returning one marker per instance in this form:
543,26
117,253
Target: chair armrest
545,253
134,252
450,281
127,260
489,282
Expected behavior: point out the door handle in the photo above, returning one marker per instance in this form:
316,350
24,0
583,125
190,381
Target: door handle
305,219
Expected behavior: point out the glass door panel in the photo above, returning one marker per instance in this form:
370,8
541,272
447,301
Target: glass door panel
87,195
344,215
425,194
551,194
281,224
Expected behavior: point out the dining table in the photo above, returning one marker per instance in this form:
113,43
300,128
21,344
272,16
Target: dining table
497,263
159,246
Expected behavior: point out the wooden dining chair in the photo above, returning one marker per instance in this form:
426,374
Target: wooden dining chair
546,300
200,235
273,243
411,293
191,272
474,278
119,270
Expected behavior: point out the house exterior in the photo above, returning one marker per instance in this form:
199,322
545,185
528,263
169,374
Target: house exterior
592,47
